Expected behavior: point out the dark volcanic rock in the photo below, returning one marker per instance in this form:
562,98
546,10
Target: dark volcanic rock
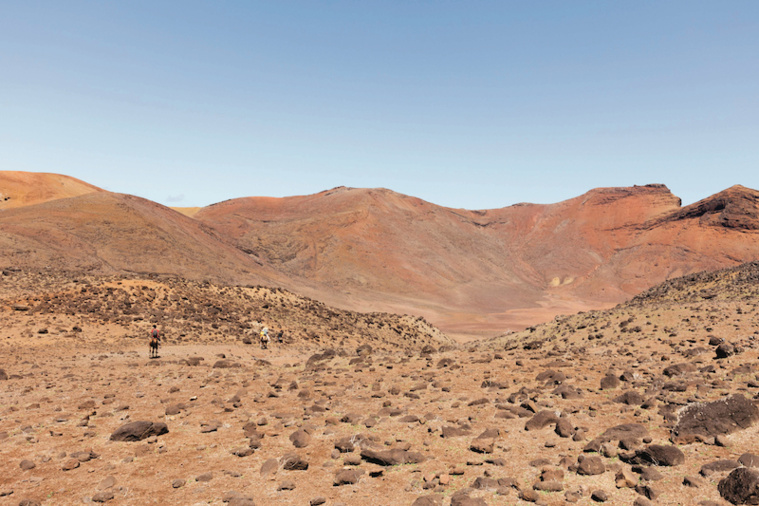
590,466
300,438
714,418
347,477
741,486
631,398
679,369
725,350
658,455
609,382
429,500
718,466
541,419
392,457
137,431
551,377
293,462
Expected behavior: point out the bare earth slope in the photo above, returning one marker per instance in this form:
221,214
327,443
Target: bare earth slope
478,271
592,407
472,273
18,189
111,233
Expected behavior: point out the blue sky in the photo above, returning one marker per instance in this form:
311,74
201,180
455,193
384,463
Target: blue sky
465,104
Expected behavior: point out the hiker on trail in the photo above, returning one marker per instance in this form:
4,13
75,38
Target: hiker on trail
280,336
265,338
155,342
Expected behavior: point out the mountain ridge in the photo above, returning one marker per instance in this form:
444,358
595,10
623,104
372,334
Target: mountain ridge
472,272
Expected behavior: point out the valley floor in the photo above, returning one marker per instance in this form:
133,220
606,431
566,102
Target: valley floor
390,427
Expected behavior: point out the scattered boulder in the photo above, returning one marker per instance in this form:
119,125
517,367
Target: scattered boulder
482,445
725,350
429,500
269,467
300,438
293,462
609,382
749,460
718,466
658,455
103,496
590,465
741,486
541,419
679,369
392,457
347,477
137,431
725,416
551,377
631,398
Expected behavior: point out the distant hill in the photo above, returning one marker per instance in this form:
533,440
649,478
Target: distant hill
476,271
469,272
105,232
18,189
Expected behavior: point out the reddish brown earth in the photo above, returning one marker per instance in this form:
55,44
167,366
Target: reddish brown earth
478,271
523,418
472,273
19,189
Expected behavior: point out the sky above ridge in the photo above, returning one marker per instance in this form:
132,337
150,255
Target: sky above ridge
464,104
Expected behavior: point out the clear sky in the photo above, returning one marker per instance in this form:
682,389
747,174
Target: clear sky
469,104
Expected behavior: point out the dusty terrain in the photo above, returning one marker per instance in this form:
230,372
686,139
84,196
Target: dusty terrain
516,419
471,273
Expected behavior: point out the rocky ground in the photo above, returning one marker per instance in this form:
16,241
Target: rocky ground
652,402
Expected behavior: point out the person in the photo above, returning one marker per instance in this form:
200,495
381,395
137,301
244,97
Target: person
265,338
155,341
280,336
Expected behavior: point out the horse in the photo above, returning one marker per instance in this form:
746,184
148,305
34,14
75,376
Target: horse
154,343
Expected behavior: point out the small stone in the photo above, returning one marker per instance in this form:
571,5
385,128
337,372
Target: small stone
599,496
286,485
26,465
103,496
347,477
178,483
107,483
204,477
693,481
429,500
70,464
590,466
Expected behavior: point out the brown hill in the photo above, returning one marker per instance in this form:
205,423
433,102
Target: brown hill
200,312
105,232
19,189
470,272
478,271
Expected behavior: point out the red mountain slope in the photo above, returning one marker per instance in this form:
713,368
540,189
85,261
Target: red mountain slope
106,232
471,271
